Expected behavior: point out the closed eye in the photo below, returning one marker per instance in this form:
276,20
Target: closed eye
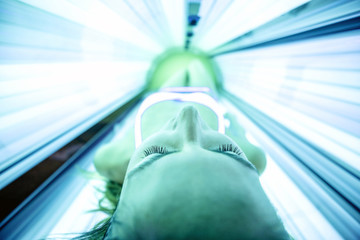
229,148
163,150
155,149
235,153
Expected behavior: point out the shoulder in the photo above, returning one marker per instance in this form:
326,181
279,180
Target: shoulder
254,153
111,160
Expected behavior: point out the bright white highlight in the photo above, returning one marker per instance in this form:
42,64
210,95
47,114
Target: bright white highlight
175,17
241,17
298,213
307,86
98,17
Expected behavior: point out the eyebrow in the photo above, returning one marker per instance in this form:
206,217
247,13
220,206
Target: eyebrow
144,164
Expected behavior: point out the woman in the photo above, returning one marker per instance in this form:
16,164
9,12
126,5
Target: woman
187,181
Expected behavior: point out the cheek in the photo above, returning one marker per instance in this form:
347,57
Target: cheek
135,159
169,140
170,125
212,140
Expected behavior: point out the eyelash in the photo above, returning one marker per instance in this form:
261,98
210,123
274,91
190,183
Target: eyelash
229,148
155,149
163,150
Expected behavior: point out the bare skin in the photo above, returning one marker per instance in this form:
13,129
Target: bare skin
182,184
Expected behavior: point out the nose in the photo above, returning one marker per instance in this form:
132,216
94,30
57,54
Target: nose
189,124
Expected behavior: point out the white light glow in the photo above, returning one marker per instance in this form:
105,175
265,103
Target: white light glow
340,144
300,216
98,17
239,18
77,217
176,19
298,23
66,65
29,94
309,86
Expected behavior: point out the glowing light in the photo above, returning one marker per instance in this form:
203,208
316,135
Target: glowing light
300,215
309,86
175,17
97,16
239,19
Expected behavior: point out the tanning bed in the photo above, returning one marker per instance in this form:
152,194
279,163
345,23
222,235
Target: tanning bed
289,72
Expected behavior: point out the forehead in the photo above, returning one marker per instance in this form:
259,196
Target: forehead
187,185
194,187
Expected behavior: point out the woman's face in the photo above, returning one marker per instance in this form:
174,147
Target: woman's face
190,182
